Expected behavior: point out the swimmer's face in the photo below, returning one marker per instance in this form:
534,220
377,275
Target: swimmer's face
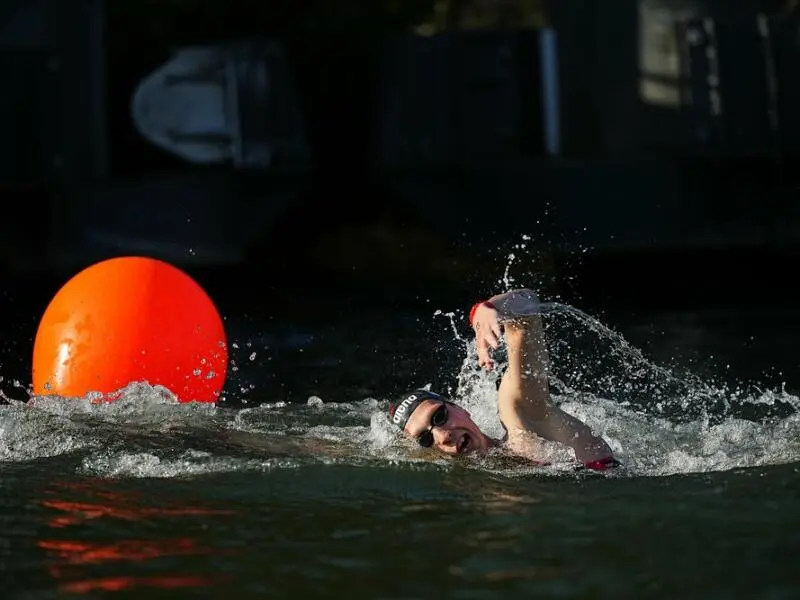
448,426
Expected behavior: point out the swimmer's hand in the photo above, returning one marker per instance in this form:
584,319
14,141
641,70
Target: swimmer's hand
510,308
486,324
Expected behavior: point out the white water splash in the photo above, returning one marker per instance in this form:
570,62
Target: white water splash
658,422
145,434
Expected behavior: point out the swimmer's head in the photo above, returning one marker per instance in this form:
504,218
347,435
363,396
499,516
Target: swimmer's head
436,422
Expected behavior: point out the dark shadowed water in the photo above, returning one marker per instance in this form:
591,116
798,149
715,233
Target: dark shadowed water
305,492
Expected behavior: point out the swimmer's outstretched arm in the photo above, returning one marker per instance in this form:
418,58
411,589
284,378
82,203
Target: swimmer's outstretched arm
524,402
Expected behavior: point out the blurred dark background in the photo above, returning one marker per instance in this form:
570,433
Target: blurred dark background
314,156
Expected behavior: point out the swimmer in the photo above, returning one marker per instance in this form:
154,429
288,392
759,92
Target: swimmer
524,405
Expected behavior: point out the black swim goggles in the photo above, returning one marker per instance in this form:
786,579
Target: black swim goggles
438,418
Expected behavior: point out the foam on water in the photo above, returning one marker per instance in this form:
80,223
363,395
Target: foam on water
640,408
658,421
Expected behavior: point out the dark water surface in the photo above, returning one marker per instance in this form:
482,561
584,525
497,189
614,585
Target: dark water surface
329,531
147,499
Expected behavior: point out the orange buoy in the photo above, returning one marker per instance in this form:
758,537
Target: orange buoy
131,319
